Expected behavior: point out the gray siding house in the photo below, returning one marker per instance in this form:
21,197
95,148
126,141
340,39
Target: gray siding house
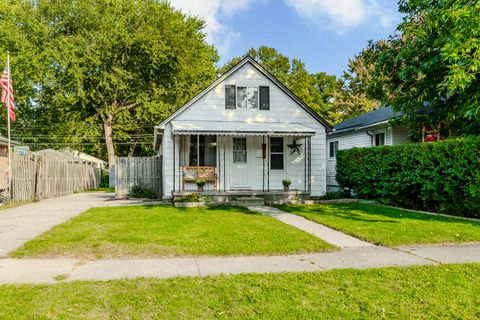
366,130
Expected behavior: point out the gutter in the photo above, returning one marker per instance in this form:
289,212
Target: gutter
358,128
370,133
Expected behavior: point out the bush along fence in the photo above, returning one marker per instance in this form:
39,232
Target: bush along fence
440,177
138,177
40,177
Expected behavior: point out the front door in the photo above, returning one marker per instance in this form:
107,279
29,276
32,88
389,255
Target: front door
240,175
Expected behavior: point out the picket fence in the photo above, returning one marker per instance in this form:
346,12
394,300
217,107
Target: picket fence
138,171
40,177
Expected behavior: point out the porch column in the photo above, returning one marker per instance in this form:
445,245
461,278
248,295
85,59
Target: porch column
268,163
263,162
305,163
224,162
310,164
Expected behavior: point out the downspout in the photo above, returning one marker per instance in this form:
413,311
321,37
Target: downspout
370,133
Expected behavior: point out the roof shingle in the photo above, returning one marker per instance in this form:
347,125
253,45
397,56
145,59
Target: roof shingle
372,117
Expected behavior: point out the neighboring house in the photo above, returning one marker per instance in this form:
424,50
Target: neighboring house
246,131
71,155
367,130
102,164
4,160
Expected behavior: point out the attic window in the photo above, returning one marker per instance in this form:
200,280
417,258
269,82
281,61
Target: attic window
247,97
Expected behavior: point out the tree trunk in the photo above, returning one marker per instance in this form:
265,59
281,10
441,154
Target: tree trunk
131,151
107,126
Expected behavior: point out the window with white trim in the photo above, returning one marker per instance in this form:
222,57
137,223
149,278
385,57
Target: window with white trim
380,139
333,148
277,153
247,97
239,150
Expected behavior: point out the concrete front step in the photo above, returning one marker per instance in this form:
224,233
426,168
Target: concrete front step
250,201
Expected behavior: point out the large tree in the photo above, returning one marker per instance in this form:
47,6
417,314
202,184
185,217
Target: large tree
106,70
352,98
430,69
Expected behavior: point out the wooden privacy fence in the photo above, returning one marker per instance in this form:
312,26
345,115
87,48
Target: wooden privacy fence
40,177
141,171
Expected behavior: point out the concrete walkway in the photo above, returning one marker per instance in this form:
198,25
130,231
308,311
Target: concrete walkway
34,271
22,223
327,234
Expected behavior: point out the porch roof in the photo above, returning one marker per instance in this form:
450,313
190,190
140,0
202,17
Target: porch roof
240,128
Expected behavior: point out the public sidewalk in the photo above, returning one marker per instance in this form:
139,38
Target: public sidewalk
34,271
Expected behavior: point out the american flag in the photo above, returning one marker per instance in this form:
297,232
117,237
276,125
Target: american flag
7,93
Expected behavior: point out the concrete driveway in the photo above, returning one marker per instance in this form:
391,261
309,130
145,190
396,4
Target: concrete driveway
22,223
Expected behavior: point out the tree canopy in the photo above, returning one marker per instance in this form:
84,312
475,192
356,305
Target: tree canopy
430,68
103,72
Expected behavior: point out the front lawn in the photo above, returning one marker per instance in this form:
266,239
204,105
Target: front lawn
427,292
389,226
153,231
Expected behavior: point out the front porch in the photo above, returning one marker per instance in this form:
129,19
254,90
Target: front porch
270,197
249,160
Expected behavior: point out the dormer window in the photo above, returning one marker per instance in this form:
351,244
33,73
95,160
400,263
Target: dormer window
247,97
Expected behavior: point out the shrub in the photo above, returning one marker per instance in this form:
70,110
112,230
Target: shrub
441,177
191,197
142,191
104,179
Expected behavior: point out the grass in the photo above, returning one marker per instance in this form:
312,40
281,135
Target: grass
153,231
389,226
427,292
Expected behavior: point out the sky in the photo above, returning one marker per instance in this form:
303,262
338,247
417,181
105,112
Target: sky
322,33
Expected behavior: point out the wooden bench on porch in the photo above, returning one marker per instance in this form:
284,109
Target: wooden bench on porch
193,173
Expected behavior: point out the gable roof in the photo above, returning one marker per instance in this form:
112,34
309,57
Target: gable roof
366,119
249,59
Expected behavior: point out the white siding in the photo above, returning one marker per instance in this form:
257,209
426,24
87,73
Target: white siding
211,107
350,140
360,139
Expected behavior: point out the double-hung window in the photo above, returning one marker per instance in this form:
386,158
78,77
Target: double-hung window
333,148
239,150
380,139
277,154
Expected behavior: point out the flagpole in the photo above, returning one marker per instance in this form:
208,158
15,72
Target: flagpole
8,119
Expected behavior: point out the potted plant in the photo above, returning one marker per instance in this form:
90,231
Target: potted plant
200,184
286,184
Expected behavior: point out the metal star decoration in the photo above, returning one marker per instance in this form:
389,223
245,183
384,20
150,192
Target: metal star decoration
295,147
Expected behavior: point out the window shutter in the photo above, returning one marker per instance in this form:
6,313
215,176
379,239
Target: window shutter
230,100
264,98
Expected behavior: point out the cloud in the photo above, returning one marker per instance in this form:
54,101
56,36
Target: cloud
216,13
344,15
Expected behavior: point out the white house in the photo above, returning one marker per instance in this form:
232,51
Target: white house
367,130
245,132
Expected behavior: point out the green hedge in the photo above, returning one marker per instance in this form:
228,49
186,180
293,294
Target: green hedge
441,177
